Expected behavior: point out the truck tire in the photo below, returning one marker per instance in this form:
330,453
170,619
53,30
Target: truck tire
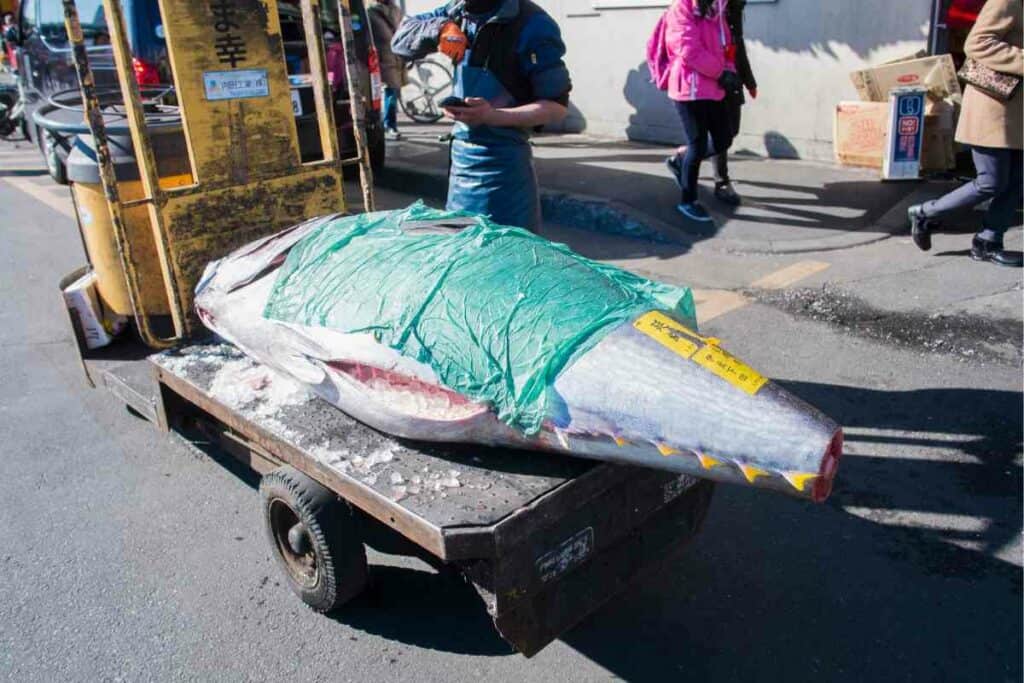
315,539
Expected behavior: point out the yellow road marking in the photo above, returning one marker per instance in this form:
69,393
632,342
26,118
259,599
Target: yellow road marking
44,193
790,275
712,303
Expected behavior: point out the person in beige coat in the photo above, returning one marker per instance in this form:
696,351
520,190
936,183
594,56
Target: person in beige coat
992,128
385,16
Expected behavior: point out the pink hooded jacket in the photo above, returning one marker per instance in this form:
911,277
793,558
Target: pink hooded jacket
697,48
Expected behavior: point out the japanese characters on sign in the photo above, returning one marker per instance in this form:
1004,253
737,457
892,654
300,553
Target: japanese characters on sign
229,45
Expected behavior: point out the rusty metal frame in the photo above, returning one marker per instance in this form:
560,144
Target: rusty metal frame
282,185
108,178
356,105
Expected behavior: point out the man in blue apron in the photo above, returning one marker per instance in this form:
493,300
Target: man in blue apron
511,78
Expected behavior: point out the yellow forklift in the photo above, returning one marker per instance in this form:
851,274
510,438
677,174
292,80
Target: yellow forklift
545,540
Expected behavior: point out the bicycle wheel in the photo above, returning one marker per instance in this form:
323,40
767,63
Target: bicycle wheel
427,83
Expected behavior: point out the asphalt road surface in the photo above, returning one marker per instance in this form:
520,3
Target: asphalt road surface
124,555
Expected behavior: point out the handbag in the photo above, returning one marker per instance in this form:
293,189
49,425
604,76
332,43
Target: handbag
989,81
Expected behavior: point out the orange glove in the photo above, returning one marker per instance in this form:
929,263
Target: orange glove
452,42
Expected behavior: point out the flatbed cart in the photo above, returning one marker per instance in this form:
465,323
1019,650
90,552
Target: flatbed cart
544,539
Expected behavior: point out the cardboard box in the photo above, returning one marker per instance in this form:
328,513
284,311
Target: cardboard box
859,133
82,301
936,74
902,157
938,149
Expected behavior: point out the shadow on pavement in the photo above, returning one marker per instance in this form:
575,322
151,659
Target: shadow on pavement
421,608
870,586
23,173
983,424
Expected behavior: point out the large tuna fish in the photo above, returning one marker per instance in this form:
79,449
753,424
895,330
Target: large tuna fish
647,390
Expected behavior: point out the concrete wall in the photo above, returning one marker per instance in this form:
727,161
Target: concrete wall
802,52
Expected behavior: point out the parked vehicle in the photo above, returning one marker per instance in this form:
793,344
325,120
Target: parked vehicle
46,68
12,111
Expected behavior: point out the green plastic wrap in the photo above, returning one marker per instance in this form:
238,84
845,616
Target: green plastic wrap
496,312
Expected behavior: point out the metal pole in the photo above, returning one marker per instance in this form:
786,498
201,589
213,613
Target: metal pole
94,117
143,157
355,98
937,29
318,70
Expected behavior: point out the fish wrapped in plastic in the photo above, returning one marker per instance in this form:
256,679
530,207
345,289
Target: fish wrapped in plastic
441,326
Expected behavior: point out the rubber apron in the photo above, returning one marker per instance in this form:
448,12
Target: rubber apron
492,168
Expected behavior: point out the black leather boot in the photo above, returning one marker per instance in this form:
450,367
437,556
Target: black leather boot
920,227
985,250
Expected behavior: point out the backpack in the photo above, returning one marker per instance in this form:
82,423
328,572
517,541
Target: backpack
658,62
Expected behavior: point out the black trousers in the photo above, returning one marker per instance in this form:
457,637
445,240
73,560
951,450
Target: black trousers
733,110
708,126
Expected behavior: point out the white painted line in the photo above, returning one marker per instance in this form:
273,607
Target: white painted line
941,521
712,303
786,277
44,194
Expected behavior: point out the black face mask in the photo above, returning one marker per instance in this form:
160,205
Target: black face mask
481,6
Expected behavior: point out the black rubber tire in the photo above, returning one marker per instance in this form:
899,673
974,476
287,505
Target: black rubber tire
8,99
54,166
331,528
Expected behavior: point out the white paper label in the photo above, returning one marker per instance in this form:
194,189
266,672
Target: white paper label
237,84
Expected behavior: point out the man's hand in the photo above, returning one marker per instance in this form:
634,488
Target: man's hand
477,112
753,93
452,42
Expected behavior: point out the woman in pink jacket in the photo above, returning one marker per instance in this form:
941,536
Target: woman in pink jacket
700,46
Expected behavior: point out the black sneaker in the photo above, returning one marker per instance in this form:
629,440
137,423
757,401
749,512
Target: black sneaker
675,167
986,250
920,227
725,193
695,212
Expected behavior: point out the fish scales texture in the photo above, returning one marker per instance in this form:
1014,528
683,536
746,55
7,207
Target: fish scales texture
687,407
606,387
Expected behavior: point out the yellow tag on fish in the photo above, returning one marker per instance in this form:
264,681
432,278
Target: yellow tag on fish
730,368
685,342
668,333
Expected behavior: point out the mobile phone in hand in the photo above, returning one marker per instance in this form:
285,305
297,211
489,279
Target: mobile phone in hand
452,101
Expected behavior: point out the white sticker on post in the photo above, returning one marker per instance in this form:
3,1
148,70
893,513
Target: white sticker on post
237,84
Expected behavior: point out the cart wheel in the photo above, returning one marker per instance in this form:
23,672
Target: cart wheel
315,539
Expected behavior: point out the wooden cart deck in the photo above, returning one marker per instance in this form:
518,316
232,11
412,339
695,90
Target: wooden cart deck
545,539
